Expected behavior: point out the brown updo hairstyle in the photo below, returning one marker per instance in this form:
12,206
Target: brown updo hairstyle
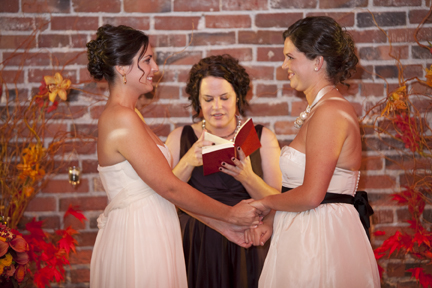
114,45
323,36
223,66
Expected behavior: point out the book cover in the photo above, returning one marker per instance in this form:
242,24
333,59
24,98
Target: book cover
224,150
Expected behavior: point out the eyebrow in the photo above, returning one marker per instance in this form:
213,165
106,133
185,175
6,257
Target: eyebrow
226,93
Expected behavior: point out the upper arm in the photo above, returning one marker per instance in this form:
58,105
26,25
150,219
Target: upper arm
325,137
173,144
137,146
270,153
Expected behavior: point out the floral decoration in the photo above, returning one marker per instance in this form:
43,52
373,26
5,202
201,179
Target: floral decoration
14,256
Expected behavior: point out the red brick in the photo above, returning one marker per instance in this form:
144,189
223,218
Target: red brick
242,54
372,163
69,58
273,109
78,40
93,203
376,182
165,111
382,217
419,179
183,75
344,19
363,72
74,23
228,21
53,41
273,54
260,72
80,257
41,23
89,166
381,199
283,20
244,5
50,222
96,6
140,23
26,59
384,53
416,16
80,275
418,89
12,76
74,223
403,215
350,90
86,238
153,6
326,4
260,37
38,204
165,75
371,89
395,269
167,40
293,4
382,19
285,128
16,24
221,38
396,3
36,75
45,6
87,147
407,35
412,71
190,6
63,186
9,6
298,106
167,92
368,36
161,130
96,111
183,58
17,42
281,74
176,23
290,92
263,90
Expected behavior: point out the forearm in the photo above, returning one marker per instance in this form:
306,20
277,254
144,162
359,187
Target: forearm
296,200
183,170
257,188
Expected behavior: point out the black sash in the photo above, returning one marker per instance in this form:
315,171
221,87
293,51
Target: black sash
360,202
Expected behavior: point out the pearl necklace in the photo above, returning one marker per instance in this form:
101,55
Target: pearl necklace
304,115
203,125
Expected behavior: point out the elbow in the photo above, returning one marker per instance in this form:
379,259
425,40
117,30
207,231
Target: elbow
314,200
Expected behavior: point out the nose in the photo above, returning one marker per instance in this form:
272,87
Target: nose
217,103
155,67
285,64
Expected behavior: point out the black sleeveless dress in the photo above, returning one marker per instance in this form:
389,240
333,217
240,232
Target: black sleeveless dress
212,261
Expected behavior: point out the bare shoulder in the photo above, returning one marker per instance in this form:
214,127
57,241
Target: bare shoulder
334,109
268,138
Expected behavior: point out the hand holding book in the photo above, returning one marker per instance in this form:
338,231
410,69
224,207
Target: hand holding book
224,150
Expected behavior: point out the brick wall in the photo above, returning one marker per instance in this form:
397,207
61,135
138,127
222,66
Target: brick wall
250,31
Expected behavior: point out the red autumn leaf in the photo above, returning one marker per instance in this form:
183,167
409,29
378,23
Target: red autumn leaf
52,107
379,233
75,212
399,198
67,243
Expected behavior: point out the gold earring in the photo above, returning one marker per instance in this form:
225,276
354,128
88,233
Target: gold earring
124,79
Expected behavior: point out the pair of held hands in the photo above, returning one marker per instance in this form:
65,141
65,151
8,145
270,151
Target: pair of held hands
249,228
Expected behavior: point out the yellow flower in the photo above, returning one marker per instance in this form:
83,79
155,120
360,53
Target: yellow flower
28,191
31,158
7,260
429,76
396,101
56,85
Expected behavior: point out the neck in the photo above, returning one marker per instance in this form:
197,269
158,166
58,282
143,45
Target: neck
313,92
226,132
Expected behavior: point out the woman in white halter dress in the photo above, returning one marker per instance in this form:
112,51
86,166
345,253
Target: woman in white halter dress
314,244
139,241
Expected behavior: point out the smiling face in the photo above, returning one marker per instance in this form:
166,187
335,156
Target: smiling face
141,72
218,99
300,69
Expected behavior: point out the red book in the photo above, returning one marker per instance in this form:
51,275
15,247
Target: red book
223,150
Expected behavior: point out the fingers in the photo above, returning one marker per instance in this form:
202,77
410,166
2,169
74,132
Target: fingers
265,236
241,154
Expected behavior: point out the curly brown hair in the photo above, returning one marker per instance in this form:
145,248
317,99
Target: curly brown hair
223,66
323,36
